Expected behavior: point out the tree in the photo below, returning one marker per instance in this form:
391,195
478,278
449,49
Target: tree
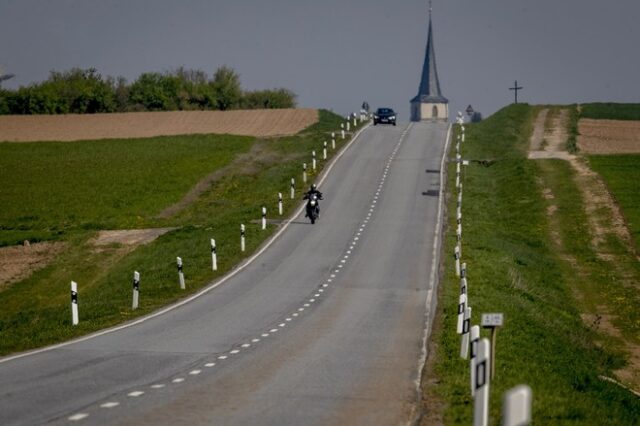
226,88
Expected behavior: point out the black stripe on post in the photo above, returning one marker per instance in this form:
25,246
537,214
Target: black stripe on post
74,297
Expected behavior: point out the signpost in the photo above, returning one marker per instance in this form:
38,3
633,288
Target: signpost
492,321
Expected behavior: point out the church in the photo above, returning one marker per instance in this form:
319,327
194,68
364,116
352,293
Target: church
429,104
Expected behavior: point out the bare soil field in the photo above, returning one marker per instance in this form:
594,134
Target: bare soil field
608,136
18,262
73,127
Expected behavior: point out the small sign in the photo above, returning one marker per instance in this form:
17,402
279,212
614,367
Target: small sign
492,320
465,162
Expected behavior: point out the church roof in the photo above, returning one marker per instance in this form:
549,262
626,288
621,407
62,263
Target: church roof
429,91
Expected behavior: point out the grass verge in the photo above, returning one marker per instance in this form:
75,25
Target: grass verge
514,268
610,111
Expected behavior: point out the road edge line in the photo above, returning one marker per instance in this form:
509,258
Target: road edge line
435,261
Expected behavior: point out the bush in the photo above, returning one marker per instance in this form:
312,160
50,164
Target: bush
86,92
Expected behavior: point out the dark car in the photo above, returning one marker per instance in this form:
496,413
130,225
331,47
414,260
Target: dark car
384,115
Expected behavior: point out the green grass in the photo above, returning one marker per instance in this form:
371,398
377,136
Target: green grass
513,268
622,174
53,188
36,311
610,111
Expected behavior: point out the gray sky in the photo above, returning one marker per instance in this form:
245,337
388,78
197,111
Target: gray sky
336,53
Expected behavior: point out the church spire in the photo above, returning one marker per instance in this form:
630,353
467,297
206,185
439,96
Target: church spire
429,90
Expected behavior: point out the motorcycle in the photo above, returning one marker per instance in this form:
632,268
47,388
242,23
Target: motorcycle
313,210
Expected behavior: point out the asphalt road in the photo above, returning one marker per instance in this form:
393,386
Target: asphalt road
325,327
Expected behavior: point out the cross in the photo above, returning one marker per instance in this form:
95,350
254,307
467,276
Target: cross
516,88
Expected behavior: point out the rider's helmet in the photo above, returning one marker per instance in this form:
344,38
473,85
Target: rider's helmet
313,187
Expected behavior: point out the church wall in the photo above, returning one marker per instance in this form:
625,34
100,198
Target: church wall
427,110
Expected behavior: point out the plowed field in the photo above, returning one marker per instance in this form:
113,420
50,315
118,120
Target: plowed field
73,127
609,136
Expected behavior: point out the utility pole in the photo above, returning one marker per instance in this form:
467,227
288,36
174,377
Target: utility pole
515,88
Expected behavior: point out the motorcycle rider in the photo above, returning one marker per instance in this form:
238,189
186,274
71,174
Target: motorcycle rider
307,195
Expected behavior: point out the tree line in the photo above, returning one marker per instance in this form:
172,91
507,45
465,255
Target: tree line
85,91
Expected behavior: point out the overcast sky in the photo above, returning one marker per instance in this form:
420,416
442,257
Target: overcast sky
336,53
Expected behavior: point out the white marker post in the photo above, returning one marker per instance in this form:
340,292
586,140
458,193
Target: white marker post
348,124
463,137
324,151
475,339
342,133
242,245
492,321
74,303
214,256
463,270
280,203
516,406
463,286
458,179
355,120
293,188
459,232
180,273
304,172
462,306
458,168
264,218
456,254
136,290
459,217
464,341
333,141
313,161
481,386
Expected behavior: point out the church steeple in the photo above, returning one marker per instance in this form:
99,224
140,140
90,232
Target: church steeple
429,91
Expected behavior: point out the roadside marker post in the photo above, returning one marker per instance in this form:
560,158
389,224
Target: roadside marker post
464,341
304,172
459,217
481,385
459,232
462,306
324,151
136,290
342,133
355,121
516,406
313,163
463,286
458,168
242,245
462,137
456,254
463,270
74,303
293,188
180,273
280,203
493,321
333,141
475,339
214,256
458,179
348,124
264,218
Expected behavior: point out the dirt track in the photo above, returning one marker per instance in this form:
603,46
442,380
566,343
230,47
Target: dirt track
73,127
609,136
